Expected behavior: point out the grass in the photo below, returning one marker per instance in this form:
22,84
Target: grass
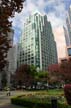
54,92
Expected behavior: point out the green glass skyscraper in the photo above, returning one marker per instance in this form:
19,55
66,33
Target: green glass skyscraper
37,45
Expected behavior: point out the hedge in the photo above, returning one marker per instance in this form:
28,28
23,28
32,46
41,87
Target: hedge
33,103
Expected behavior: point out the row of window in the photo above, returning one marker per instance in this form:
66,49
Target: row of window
24,62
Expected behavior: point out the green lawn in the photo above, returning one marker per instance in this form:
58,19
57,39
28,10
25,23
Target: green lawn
53,92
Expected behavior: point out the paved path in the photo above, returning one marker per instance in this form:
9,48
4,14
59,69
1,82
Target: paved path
5,100
10,106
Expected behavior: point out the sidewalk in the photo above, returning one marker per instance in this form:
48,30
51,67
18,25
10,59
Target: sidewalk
5,100
10,106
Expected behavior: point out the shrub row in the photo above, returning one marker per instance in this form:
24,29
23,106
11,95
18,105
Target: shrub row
29,103
33,103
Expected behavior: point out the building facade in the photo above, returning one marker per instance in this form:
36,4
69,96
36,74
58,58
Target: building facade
68,55
66,34
37,45
11,58
69,51
68,29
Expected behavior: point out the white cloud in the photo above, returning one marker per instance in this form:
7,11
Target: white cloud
55,10
56,16
56,22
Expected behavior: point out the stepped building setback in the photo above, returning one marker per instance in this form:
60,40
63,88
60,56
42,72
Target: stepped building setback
37,45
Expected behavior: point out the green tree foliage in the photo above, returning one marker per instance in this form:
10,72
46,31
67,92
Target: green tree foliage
7,10
42,76
33,71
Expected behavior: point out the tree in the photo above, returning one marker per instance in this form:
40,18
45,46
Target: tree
7,10
67,92
42,76
62,74
65,71
54,75
54,78
25,74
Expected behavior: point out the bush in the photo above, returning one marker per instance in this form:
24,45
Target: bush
62,105
67,92
26,102
32,102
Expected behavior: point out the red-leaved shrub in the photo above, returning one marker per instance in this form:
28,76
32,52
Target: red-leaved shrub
67,92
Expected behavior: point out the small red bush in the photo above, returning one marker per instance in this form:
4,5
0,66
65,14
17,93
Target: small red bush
67,92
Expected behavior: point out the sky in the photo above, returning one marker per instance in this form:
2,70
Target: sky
56,11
